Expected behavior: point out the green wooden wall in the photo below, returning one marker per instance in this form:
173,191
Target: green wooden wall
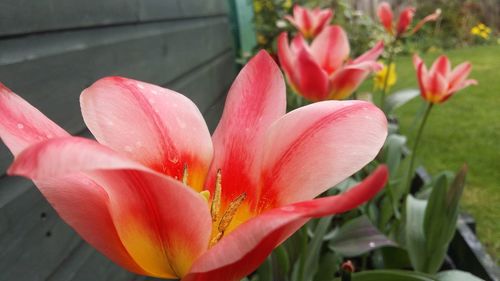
50,50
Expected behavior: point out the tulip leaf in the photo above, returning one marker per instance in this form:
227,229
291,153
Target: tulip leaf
390,275
456,275
265,271
394,152
415,236
400,98
358,236
328,267
441,218
431,224
314,248
282,259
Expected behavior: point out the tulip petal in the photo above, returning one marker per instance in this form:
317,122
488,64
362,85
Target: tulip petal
322,20
371,55
256,99
23,125
436,88
245,249
442,66
162,224
83,205
313,80
348,79
158,127
315,147
432,17
331,48
459,74
421,75
287,60
405,18
384,13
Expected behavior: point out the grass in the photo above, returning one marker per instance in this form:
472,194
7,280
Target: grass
465,129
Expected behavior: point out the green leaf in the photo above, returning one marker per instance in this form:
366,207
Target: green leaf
358,236
414,230
390,275
329,265
456,275
283,259
265,271
314,247
440,219
394,152
400,98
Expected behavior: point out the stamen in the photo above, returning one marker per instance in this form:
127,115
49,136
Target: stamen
205,194
228,217
216,239
230,212
185,174
214,210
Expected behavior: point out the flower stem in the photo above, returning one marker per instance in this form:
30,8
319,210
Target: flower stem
414,148
386,78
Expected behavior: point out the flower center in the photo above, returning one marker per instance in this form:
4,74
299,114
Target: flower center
221,221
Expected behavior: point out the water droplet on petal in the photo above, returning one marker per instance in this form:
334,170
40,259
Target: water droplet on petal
20,126
371,244
288,208
140,86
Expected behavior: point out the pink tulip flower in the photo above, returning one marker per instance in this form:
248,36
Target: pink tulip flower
385,16
322,70
440,82
160,197
310,22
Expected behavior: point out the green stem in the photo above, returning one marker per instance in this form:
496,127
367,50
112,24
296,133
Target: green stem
415,145
303,252
386,79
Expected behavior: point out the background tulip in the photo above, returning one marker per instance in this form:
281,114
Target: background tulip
385,16
322,70
440,82
310,22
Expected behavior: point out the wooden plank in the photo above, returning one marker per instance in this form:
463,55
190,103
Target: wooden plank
51,76
208,83
86,263
35,238
27,16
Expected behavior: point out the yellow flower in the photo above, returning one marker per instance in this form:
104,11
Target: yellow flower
485,35
381,76
481,30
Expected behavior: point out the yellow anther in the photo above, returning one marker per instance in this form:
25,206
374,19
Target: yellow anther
185,175
230,212
227,218
216,239
214,210
205,194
